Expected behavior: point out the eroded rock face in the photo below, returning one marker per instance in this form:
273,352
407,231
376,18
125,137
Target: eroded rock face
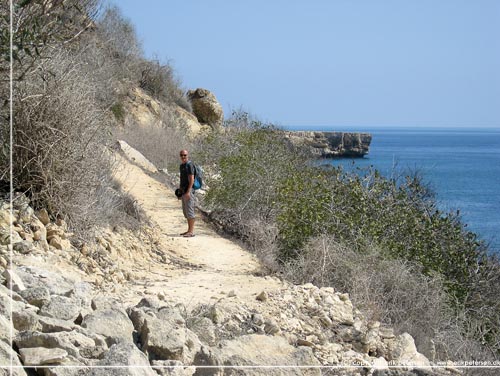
206,107
331,144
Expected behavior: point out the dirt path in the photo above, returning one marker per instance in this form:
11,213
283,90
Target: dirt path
211,266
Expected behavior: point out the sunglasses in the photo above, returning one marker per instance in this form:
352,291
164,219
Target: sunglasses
183,155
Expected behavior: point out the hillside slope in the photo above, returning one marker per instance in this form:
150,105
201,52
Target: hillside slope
172,305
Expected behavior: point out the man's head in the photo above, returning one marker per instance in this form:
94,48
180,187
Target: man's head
184,155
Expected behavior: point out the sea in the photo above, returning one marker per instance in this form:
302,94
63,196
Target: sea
461,165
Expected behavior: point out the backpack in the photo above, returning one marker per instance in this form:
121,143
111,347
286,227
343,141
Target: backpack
198,176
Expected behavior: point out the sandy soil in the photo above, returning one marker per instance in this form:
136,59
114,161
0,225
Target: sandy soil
201,269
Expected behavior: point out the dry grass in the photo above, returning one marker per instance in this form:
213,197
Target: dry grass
392,291
160,145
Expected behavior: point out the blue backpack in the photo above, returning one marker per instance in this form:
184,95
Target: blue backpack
198,176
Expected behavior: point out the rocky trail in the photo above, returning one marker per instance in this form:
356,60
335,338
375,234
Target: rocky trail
209,266
155,303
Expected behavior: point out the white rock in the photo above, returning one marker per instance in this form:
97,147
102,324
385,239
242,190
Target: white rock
34,356
14,279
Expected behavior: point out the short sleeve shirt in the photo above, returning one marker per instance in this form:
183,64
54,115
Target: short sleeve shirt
185,170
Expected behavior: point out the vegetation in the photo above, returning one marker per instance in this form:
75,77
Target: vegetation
383,240
73,64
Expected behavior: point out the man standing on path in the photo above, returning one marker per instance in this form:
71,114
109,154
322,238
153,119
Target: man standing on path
187,180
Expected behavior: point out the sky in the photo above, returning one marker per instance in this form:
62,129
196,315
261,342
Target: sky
338,63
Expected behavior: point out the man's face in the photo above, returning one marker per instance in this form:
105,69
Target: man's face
184,156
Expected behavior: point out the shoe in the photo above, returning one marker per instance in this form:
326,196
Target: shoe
188,235
183,233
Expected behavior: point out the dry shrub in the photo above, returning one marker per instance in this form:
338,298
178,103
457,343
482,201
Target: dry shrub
159,81
60,150
160,145
391,291
395,292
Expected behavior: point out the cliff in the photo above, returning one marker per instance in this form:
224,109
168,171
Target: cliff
332,144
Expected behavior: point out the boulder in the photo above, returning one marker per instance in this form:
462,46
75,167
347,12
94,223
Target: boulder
167,339
34,277
172,368
100,303
25,320
43,216
24,247
206,107
6,354
403,352
136,157
72,341
341,310
34,356
37,296
113,324
54,325
62,307
190,122
125,355
5,328
14,280
248,351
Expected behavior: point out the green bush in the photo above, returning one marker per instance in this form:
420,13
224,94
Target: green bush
267,193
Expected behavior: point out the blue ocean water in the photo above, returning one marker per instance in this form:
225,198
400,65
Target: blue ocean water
462,166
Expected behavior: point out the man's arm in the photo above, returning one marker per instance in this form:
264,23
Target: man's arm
191,182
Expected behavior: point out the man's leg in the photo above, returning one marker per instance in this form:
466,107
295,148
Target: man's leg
190,215
191,225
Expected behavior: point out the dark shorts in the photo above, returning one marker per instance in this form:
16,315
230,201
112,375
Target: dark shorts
188,206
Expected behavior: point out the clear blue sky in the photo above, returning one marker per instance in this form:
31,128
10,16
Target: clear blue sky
354,63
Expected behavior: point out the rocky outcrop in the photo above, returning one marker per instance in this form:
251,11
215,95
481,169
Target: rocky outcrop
331,144
206,107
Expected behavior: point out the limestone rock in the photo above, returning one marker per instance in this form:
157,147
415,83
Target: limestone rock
6,354
54,325
136,157
172,368
6,237
14,280
163,339
43,216
190,122
5,327
37,296
341,311
404,352
72,341
62,307
101,303
35,277
23,247
206,107
331,144
248,351
58,243
124,354
142,108
262,296
40,356
25,320
114,325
